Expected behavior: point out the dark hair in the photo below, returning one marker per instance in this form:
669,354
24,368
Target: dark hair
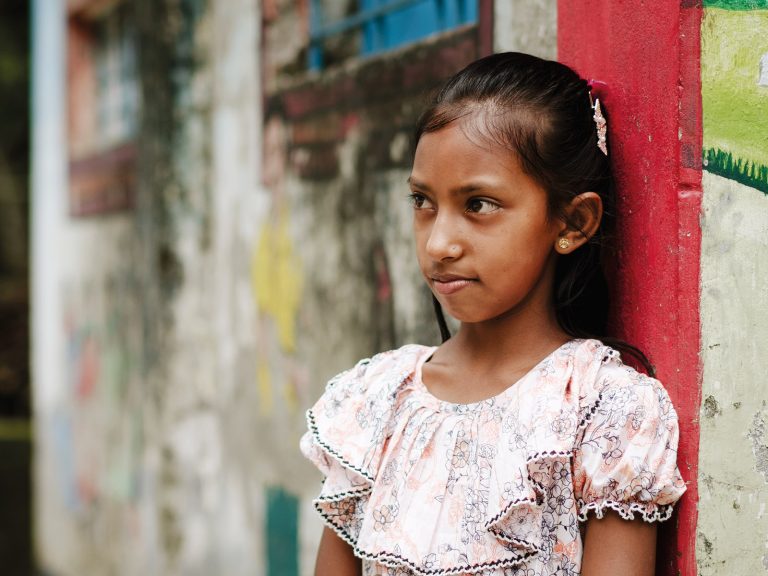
541,110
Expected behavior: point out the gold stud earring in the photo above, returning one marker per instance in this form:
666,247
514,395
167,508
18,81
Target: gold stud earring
563,243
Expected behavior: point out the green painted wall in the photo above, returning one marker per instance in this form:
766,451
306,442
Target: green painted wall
735,103
282,533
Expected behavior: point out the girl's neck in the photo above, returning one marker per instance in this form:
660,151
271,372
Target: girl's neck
491,355
517,339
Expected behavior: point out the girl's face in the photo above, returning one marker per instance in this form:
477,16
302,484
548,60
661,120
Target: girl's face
484,240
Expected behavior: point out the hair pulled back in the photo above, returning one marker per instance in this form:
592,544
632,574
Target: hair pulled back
541,111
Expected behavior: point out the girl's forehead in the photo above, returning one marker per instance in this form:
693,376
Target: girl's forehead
458,147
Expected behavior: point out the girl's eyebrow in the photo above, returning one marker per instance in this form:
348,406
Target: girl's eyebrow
416,184
464,189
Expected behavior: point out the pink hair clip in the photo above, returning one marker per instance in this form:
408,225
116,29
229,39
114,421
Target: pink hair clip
598,117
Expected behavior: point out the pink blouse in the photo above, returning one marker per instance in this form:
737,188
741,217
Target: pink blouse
420,486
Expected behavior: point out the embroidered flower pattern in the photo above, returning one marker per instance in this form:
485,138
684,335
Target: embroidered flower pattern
460,454
423,487
384,516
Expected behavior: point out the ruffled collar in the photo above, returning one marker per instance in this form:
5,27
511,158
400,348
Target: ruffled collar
500,399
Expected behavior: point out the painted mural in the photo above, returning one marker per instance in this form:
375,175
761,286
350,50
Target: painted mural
734,71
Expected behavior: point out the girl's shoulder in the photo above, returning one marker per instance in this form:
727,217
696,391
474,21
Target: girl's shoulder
597,371
578,376
625,455
381,371
349,423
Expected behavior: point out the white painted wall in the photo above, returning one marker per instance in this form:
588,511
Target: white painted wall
733,460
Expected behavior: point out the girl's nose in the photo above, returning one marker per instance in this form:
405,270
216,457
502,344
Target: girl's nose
443,242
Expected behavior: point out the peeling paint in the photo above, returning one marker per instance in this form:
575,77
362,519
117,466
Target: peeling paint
759,447
711,407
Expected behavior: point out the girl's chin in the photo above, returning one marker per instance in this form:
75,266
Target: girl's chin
464,316
475,315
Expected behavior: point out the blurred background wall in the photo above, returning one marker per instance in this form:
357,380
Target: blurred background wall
219,224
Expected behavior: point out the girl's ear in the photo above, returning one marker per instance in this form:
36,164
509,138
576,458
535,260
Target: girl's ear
583,216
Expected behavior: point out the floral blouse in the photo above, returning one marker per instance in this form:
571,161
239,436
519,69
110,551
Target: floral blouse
420,486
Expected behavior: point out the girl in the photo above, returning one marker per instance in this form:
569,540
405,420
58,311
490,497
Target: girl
520,446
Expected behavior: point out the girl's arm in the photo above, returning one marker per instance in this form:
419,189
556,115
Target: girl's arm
335,557
616,546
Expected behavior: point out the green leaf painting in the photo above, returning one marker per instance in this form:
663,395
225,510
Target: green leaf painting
737,4
748,173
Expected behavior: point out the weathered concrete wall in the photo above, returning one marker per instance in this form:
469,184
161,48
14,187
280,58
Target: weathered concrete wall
733,527
526,26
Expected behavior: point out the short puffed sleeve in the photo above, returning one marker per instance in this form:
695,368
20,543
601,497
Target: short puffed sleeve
626,457
347,432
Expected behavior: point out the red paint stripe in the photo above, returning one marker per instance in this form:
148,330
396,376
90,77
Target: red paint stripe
650,58
689,264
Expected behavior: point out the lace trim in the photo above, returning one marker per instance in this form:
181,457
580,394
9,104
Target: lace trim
328,449
362,491
489,525
392,560
513,540
364,363
312,425
548,454
590,413
533,501
608,355
627,510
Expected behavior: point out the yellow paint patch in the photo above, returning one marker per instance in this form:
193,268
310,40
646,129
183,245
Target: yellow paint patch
277,280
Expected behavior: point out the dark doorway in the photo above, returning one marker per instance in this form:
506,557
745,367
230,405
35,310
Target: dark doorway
15,404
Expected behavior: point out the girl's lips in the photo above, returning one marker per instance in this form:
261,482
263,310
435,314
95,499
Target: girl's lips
450,286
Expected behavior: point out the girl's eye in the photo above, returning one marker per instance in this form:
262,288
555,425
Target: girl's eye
481,206
419,201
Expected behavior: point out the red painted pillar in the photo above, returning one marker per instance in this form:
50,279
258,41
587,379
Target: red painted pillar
648,54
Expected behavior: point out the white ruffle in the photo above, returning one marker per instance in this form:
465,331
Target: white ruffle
648,511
